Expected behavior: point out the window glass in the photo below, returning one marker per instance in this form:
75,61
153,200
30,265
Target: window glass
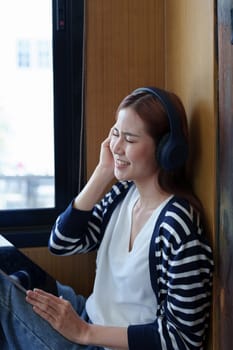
26,105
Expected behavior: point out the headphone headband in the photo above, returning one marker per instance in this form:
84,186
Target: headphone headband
172,150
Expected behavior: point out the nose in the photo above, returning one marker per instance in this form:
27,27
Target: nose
117,146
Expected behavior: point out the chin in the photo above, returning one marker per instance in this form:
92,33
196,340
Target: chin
120,177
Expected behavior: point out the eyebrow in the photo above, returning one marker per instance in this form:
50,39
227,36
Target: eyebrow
127,133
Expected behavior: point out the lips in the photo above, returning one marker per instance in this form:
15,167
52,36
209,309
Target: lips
120,162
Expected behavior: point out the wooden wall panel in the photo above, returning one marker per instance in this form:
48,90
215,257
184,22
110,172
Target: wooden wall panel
124,50
191,73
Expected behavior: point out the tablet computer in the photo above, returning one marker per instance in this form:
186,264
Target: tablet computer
13,260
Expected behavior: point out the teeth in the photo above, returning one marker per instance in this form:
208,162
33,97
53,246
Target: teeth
121,162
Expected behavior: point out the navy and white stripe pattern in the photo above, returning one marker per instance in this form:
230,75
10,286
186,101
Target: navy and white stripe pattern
180,268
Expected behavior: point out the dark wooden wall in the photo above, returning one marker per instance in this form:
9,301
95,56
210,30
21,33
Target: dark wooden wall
224,253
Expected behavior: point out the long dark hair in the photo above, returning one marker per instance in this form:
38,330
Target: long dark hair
153,114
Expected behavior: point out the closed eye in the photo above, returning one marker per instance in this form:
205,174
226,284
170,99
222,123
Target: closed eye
129,137
115,132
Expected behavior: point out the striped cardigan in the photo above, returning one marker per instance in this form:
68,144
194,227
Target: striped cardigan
180,263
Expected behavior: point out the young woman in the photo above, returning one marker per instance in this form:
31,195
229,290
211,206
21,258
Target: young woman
154,267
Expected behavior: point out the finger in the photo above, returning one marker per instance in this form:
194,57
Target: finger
106,142
43,300
41,293
48,306
110,132
46,314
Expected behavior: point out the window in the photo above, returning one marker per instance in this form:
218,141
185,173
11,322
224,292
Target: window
41,126
43,54
23,53
26,90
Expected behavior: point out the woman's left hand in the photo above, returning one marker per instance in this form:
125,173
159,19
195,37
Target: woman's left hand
59,313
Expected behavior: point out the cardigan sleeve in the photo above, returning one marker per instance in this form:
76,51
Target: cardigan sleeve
183,314
70,233
79,231
182,280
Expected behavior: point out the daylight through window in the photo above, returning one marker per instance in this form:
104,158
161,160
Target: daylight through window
26,105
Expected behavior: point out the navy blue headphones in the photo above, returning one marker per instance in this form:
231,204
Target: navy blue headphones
172,150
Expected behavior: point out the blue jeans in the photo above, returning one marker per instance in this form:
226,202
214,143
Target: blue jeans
22,329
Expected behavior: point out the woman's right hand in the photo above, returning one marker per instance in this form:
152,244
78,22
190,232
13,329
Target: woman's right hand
106,160
99,180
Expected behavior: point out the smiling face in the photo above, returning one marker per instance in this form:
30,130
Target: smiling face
132,148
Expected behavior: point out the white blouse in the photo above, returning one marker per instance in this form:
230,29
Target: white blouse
122,293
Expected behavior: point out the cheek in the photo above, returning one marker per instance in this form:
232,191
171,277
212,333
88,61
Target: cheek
148,156
134,155
111,145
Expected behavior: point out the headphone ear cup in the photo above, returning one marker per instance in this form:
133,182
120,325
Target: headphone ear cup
172,150
171,154
160,153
